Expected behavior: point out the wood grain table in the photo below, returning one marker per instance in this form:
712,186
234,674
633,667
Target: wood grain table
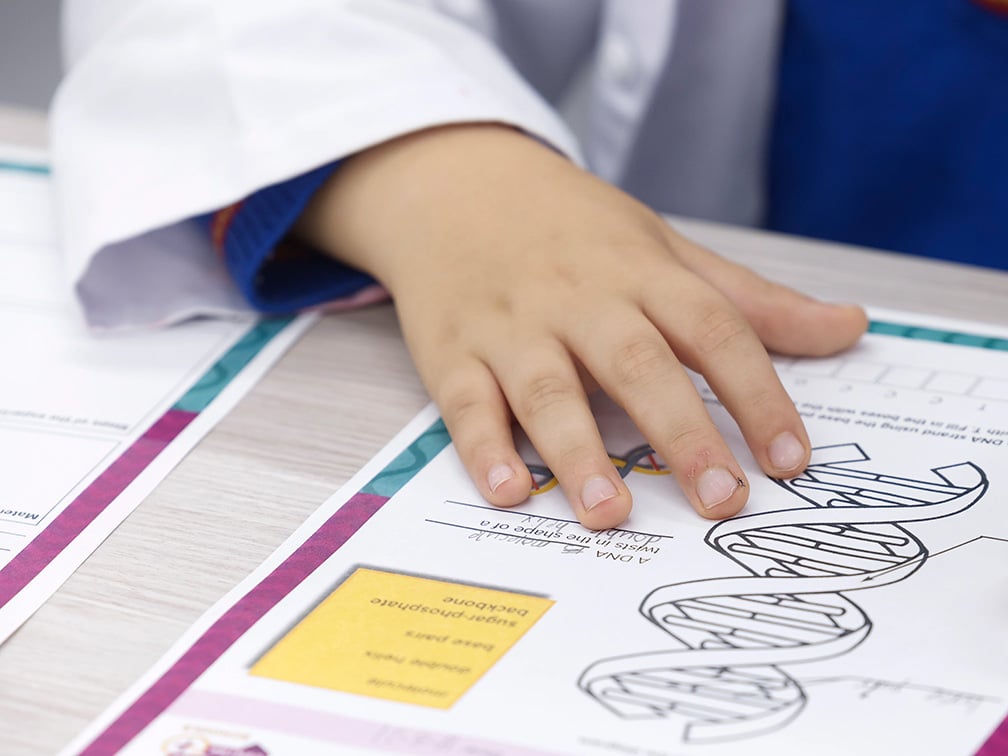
330,403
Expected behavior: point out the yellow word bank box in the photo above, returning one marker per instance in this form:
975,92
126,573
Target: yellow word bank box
402,638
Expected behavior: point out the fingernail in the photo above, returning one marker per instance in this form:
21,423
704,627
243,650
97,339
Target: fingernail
786,452
716,485
499,475
596,490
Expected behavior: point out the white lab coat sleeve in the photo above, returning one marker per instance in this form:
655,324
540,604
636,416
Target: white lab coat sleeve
174,108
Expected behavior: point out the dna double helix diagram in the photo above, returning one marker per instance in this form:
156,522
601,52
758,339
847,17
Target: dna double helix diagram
640,459
724,678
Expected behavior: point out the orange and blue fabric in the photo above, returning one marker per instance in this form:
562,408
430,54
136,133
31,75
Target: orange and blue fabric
275,274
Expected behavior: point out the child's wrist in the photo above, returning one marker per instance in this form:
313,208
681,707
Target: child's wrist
394,201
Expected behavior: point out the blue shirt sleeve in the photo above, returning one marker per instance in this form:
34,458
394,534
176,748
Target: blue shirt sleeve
275,274
889,131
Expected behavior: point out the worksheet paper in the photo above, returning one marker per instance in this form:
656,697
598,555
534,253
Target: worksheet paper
860,608
90,424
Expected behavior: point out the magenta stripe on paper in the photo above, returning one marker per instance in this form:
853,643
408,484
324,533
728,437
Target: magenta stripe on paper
90,503
997,743
346,521
329,727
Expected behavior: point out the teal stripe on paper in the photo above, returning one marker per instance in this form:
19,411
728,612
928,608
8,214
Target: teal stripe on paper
933,334
37,168
214,380
410,461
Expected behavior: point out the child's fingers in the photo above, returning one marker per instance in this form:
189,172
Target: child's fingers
637,368
507,245
713,338
478,420
548,401
787,321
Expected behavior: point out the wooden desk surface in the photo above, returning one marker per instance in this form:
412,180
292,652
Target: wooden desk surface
333,401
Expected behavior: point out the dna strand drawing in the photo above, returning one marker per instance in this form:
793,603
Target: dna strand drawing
640,459
724,678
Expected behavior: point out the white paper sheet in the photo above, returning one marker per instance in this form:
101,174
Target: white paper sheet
859,608
89,424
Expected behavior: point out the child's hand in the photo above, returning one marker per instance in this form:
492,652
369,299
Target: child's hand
521,282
